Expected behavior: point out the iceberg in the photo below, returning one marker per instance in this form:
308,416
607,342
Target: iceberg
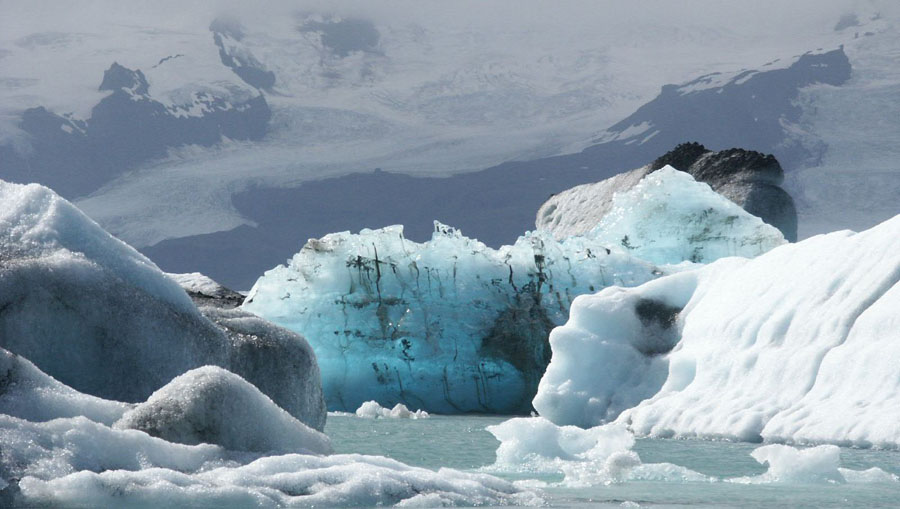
99,317
658,221
214,406
52,456
28,393
747,178
372,410
451,325
76,462
820,464
206,292
798,345
447,326
603,455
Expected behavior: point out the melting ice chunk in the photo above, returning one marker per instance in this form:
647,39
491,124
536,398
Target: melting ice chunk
372,410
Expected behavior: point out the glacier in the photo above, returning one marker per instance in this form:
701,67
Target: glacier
798,345
98,316
451,325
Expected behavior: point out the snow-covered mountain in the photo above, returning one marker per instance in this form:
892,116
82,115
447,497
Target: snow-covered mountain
429,92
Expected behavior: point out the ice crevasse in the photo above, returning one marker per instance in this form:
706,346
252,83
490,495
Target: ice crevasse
452,325
798,345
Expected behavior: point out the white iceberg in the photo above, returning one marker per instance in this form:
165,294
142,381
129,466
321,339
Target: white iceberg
28,393
82,461
372,410
820,464
76,462
603,455
214,406
598,455
663,219
798,345
452,325
98,316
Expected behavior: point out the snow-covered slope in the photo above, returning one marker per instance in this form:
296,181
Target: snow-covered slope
95,314
452,325
796,345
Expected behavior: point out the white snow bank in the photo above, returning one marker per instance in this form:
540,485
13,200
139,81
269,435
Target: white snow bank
214,406
371,409
28,393
93,313
799,345
668,217
80,463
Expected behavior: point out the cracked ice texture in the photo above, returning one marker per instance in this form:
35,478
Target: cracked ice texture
451,325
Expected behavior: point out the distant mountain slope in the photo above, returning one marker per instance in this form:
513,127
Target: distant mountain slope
571,94
498,204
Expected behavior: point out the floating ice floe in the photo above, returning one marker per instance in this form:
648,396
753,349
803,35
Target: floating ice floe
798,345
28,393
371,409
598,455
76,462
79,461
603,455
814,465
451,325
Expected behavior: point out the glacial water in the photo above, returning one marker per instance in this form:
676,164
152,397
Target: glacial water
461,442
